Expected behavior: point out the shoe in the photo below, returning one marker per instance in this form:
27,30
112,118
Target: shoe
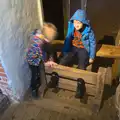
80,91
35,94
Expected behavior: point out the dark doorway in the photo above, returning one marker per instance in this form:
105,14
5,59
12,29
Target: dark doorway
74,5
53,12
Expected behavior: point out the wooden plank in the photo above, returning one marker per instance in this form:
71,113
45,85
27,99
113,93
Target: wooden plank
47,104
99,89
54,115
62,116
73,73
31,111
58,106
63,96
70,69
68,97
108,75
8,115
72,117
20,112
72,85
43,115
55,42
65,117
100,82
108,51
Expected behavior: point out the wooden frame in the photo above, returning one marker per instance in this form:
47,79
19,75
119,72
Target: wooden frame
94,82
111,52
68,81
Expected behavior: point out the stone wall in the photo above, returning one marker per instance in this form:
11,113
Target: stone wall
17,19
117,100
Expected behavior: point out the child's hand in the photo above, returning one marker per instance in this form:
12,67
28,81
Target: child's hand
58,54
50,64
91,61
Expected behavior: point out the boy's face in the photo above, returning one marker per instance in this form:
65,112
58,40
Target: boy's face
77,24
49,33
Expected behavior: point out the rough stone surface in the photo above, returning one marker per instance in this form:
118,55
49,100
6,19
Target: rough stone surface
17,19
117,100
117,65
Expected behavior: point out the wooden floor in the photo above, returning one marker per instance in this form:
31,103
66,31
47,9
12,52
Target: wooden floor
51,107
58,107
45,109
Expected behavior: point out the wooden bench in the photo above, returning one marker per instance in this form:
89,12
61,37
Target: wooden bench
104,52
109,51
94,82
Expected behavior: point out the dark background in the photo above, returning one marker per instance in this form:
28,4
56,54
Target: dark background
53,12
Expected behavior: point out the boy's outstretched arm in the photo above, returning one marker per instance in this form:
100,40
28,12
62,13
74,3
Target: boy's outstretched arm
92,46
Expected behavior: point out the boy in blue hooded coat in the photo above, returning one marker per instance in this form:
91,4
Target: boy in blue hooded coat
80,41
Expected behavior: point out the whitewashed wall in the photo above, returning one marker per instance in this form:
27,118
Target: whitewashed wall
17,19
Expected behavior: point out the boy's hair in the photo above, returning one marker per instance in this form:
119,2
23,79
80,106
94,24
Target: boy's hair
50,26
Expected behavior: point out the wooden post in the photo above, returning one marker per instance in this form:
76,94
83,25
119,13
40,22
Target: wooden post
99,89
108,79
66,12
83,4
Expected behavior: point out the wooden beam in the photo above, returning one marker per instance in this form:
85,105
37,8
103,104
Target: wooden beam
73,73
108,79
55,42
72,85
55,105
108,51
100,83
99,89
69,85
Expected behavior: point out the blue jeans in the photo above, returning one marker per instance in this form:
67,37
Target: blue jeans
82,58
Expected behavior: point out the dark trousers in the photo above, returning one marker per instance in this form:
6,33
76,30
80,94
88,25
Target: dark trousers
82,58
38,76
35,78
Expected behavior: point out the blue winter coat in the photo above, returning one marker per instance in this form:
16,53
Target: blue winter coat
88,37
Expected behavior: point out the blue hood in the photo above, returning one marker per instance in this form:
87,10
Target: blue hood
81,16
